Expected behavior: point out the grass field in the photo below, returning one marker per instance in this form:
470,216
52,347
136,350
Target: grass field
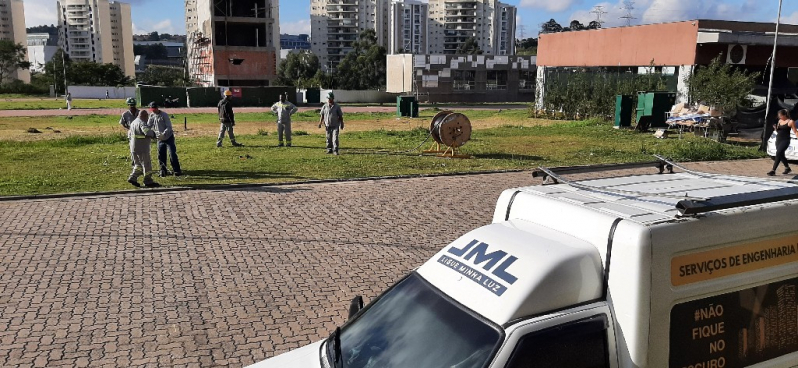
93,155
13,102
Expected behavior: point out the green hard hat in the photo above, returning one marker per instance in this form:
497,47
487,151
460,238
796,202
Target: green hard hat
131,101
331,96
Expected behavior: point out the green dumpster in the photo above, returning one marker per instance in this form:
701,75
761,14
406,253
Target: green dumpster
623,111
313,95
652,107
404,106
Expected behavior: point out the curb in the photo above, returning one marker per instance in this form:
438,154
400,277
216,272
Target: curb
244,186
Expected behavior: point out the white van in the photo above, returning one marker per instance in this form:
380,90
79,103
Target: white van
686,270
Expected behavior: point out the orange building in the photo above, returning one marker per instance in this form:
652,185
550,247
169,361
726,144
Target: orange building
674,48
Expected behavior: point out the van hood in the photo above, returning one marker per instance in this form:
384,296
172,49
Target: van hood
304,357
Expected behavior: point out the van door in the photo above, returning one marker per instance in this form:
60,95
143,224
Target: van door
578,338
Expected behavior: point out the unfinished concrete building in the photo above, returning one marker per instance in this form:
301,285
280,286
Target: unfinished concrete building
335,25
490,22
232,42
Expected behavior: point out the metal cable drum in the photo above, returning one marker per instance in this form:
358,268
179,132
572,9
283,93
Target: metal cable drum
450,128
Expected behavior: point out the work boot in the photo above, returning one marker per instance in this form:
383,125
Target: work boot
163,173
152,184
787,171
218,144
236,144
335,153
288,144
771,173
134,182
178,173
329,152
280,144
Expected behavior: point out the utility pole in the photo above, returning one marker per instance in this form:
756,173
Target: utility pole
770,84
598,10
629,7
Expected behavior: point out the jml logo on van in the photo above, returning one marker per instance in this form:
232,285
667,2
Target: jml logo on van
476,253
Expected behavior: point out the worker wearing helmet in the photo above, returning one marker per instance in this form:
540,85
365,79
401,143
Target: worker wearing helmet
333,119
130,114
227,118
141,134
284,110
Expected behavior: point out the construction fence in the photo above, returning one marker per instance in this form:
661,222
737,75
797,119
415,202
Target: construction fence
210,96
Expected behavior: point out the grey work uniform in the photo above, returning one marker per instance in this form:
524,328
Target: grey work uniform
284,111
332,116
141,135
125,121
127,118
162,125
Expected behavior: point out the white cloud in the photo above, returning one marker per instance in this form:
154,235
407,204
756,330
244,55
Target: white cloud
40,12
790,19
555,6
298,27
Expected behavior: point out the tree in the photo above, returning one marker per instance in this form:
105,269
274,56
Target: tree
157,75
594,25
299,70
12,58
54,69
469,47
154,37
576,25
551,27
720,85
365,66
87,73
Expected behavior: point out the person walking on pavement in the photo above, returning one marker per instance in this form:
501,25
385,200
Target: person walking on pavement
69,101
284,110
106,95
140,136
227,118
160,121
333,119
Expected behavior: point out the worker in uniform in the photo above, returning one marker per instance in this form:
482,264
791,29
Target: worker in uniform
333,119
141,134
130,114
227,118
69,100
159,120
127,118
284,109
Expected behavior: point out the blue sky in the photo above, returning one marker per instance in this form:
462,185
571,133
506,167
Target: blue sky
168,15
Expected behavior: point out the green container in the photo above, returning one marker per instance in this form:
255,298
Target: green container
623,111
404,106
313,96
203,96
147,94
652,107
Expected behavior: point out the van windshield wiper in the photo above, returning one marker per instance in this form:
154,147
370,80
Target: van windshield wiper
334,349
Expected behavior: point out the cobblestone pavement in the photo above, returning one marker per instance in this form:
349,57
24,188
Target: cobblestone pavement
221,278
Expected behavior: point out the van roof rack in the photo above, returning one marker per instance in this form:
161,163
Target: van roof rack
687,205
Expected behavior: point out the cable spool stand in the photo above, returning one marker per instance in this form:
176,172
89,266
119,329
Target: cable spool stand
452,130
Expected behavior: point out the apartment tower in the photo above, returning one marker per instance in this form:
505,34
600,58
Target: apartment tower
490,22
97,30
232,42
409,27
12,28
335,25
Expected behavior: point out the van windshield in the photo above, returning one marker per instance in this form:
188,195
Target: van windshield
413,325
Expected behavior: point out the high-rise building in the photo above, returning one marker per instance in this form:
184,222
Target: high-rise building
490,22
335,25
408,27
232,42
97,30
41,49
12,28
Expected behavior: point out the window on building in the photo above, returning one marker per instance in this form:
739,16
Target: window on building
464,80
497,80
527,79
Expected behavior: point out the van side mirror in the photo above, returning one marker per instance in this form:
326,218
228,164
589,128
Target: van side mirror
355,306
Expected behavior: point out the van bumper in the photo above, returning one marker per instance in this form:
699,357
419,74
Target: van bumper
304,357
